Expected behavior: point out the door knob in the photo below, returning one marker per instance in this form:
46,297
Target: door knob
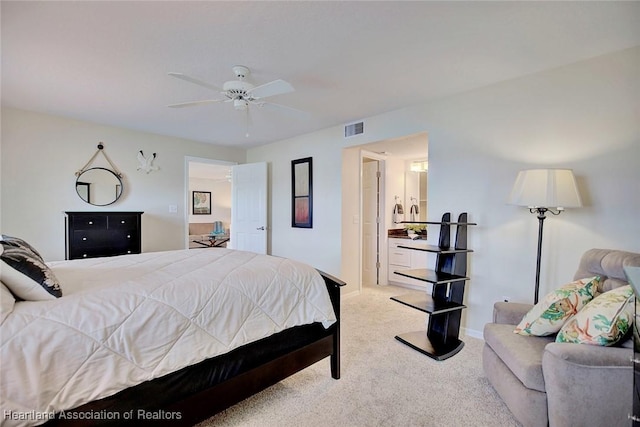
260,228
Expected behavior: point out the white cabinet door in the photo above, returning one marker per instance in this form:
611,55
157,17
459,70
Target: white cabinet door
404,259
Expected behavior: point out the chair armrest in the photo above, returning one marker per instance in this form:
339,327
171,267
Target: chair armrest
588,356
587,384
509,313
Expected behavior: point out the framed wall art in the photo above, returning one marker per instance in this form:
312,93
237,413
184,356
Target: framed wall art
302,193
201,203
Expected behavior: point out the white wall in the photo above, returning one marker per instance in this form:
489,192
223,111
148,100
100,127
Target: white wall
583,116
316,245
41,153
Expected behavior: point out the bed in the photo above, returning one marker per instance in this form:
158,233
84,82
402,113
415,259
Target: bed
166,337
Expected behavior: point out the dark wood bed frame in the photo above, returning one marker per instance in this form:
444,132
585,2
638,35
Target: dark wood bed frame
205,403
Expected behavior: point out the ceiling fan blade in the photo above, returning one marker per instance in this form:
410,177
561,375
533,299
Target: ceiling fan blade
294,112
275,87
194,103
195,81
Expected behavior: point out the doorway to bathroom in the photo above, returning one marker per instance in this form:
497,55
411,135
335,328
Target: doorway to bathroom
372,195
392,172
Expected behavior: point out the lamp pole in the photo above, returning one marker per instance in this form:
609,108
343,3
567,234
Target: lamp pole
541,216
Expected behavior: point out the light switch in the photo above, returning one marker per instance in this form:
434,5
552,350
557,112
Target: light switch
356,219
173,208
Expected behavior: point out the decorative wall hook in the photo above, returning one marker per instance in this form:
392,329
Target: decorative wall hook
145,164
100,150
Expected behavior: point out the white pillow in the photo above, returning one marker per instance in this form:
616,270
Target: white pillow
7,301
25,273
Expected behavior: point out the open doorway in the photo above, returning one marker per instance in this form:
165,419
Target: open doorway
372,195
399,184
208,201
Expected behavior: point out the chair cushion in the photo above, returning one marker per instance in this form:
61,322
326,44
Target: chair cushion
603,321
521,354
548,315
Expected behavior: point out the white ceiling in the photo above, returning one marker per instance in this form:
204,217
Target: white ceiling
107,62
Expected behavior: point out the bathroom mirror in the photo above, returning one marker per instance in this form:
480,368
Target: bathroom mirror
415,195
99,186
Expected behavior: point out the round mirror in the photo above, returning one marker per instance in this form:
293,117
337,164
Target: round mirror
99,186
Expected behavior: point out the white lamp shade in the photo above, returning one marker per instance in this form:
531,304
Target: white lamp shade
546,188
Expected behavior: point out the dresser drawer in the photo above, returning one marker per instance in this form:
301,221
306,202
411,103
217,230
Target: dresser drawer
90,238
76,253
126,222
125,242
88,222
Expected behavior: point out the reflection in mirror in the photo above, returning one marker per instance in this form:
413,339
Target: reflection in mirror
99,186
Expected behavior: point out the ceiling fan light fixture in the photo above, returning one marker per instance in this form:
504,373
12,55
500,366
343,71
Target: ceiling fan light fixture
240,104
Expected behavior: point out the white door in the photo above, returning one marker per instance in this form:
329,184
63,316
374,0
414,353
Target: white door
249,207
370,222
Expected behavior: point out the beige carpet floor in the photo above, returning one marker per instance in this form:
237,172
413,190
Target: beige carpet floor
384,383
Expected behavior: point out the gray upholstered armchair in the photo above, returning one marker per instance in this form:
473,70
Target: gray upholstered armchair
560,384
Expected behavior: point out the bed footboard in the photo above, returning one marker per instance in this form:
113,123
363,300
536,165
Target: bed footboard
333,286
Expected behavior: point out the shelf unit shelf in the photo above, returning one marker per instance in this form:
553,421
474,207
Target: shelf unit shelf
437,249
444,306
431,276
423,302
434,349
438,222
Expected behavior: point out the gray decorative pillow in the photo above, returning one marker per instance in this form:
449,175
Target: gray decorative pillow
25,274
17,242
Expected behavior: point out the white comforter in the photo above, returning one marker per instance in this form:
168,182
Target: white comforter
128,319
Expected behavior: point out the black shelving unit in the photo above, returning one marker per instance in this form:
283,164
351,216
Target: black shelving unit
444,305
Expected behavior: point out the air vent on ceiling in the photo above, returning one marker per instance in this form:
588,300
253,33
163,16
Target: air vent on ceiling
353,129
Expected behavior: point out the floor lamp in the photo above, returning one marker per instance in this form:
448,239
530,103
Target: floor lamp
542,191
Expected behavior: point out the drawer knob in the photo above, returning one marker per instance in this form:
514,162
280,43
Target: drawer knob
128,236
84,238
84,255
90,222
128,252
122,222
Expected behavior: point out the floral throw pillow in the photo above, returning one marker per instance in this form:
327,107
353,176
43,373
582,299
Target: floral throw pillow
603,321
549,314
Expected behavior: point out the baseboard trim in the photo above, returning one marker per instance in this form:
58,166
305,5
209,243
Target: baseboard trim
473,333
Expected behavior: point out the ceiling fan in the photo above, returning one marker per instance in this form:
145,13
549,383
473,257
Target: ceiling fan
240,92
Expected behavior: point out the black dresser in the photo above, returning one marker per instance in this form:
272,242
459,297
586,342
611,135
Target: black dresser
98,234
